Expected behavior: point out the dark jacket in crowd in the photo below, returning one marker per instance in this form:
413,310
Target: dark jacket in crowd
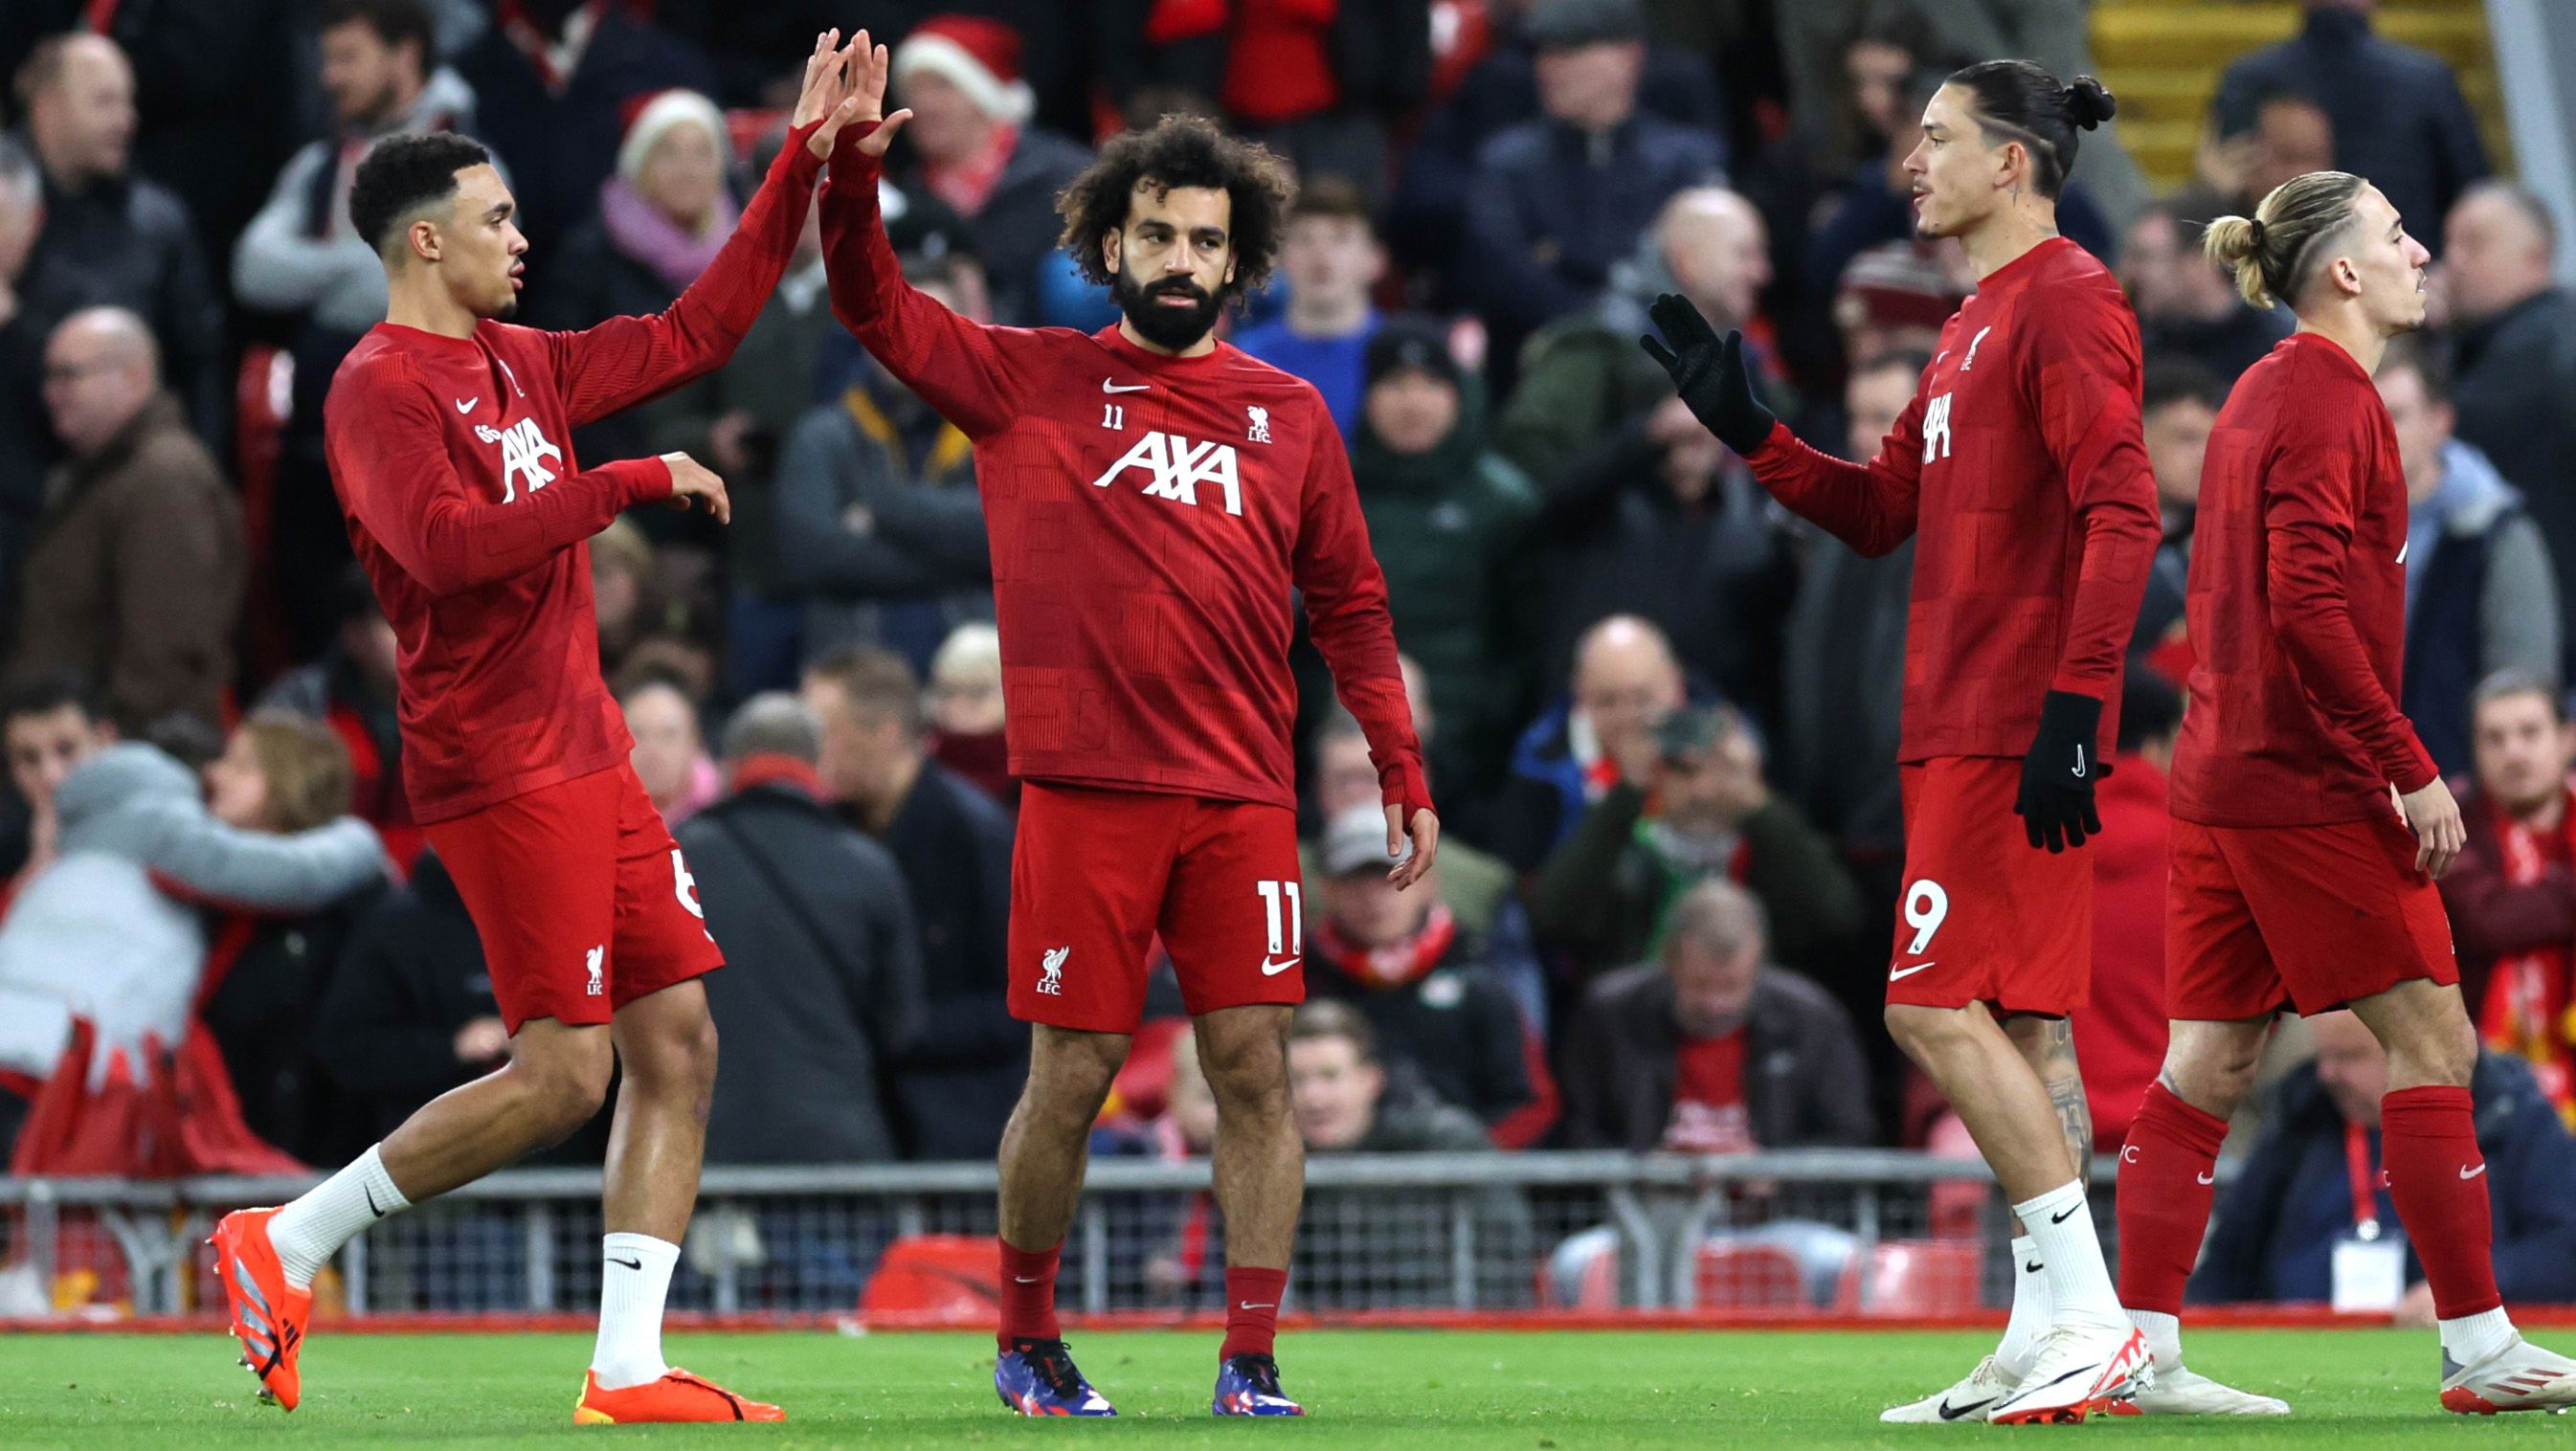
827,982
2276,1226
1014,235
1341,1260
218,97
27,448
2227,347
2515,373
1841,694
270,975
1453,1033
413,978
135,576
2491,916
1604,896
1805,1085
128,242
2398,114
2480,597
955,1087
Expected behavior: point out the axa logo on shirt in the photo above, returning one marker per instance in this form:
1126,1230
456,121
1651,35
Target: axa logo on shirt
1178,466
524,451
1936,428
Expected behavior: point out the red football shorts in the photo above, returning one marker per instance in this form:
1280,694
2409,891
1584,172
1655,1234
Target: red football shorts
2312,916
580,897
1095,873
1986,917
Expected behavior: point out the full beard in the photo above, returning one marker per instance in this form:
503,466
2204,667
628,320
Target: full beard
1175,328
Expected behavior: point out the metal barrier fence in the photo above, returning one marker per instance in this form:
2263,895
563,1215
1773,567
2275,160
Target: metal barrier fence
1851,1232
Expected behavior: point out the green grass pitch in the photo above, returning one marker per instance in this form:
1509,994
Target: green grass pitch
1414,1390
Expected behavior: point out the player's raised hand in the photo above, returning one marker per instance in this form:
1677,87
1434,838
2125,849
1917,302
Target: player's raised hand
1708,372
868,67
2439,833
693,482
1424,836
826,96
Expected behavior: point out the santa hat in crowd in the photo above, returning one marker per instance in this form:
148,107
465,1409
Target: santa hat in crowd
653,119
980,57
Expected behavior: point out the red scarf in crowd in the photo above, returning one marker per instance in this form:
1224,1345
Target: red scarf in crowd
2527,1009
1398,963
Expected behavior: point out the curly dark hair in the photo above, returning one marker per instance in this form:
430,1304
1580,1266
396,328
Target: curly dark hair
1180,151
401,173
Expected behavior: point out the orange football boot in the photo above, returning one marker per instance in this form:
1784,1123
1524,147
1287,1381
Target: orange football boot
269,1315
677,1396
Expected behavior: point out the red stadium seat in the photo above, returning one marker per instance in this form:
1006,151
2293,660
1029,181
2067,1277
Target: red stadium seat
1909,1279
1748,1277
954,1278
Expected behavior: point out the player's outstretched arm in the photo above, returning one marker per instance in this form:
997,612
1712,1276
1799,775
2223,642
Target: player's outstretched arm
1869,507
627,360
955,364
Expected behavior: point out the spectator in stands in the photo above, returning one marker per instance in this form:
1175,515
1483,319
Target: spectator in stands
625,593
134,578
554,84
1894,299
2120,1038
2278,1227
817,913
2291,135
670,755
352,689
964,705
2512,894
49,724
1346,1102
960,76
1580,384
1331,259
1445,517
299,259
1625,681
2515,335
957,1085
2397,113
1556,200
1443,1023
1606,896
1709,1048
2480,595
2179,408
27,447
111,238
879,528
281,774
2185,304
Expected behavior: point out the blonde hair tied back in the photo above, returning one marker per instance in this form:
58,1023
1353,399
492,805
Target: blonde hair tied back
2272,253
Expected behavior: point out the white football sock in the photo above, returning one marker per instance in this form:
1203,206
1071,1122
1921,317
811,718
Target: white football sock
2473,1338
2164,1336
2079,1284
310,1230
634,1276
2031,1309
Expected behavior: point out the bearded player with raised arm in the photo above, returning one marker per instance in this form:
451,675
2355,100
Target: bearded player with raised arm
2020,469
1157,500
449,434
2309,824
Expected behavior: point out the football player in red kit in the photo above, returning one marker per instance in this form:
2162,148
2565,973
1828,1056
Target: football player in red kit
1156,501
2020,470
449,433
2309,823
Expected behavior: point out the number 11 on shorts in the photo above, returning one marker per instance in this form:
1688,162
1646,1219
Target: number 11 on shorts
1284,907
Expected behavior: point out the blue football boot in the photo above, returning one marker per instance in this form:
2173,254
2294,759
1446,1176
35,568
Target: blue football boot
1037,1378
1248,1385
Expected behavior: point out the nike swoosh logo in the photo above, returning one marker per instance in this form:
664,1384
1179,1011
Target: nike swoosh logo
633,1264
371,1202
1273,969
2060,1218
2206,1178
466,405
1248,1305
1108,387
1026,1279
1950,1412
1906,972
2079,763
2034,1267
2473,1173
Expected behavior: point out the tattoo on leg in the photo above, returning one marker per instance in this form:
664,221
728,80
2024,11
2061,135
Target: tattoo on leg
2066,1094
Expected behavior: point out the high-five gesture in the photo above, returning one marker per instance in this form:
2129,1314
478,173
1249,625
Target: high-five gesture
868,67
826,97
1709,374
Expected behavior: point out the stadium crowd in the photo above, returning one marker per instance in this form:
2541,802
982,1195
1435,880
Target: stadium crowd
1661,715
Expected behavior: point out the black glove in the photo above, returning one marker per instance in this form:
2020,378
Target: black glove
1710,375
2056,801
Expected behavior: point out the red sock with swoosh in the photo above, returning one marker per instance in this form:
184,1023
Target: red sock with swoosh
2168,1176
1028,1292
2428,1140
1251,1311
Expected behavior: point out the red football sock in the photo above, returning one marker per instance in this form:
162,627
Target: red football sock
2428,1140
1251,1311
1028,1293
2168,1170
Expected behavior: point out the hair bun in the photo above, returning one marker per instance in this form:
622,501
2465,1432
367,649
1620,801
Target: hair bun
2087,104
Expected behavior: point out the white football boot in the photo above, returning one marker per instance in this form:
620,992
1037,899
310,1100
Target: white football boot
2080,1371
2521,1377
2180,1392
1964,1403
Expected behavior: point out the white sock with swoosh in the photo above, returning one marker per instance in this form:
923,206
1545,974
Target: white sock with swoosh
307,1232
634,1276
2079,1284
